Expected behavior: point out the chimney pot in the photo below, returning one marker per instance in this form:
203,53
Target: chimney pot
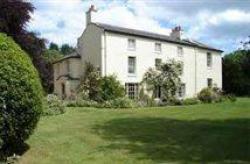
176,32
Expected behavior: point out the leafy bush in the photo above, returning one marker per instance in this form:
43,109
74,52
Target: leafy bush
230,97
206,95
209,95
111,88
21,98
53,105
82,103
120,103
191,101
90,83
145,100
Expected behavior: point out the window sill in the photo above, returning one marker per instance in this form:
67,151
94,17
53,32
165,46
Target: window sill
157,52
131,75
210,68
131,49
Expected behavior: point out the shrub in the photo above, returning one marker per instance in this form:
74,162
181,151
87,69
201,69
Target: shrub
191,101
21,97
121,103
82,103
230,97
111,88
145,100
209,95
53,105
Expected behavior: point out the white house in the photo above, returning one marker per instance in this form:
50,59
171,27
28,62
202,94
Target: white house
129,53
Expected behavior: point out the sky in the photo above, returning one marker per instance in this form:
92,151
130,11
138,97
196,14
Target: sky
222,24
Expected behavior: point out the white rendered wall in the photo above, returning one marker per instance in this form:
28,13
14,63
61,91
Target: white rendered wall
117,55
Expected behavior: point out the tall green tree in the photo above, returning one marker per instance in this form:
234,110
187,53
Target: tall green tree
53,46
66,49
14,15
236,73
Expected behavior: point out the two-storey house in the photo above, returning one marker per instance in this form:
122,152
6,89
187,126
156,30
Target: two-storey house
129,53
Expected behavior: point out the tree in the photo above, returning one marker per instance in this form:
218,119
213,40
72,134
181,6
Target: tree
90,83
52,55
66,49
14,15
166,76
236,74
53,46
111,88
20,95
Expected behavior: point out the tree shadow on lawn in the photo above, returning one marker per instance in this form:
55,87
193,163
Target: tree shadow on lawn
170,140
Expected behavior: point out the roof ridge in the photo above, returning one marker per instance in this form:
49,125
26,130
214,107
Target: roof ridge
152,35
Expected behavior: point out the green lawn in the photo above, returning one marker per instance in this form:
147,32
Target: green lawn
212,133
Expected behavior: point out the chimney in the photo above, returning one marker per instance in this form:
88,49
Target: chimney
176,33
88,14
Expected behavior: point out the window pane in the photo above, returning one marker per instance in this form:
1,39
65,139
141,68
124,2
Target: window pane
158,47
132,90
157,63
131,64
209,82
180,51
182,90
209,59
131,43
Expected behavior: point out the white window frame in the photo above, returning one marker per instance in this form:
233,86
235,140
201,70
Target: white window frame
131,46
158,47
132,90
180,51
209,60
129,65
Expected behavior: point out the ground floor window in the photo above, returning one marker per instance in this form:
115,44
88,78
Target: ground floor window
157,92
132,90
209,82
63,91
182,90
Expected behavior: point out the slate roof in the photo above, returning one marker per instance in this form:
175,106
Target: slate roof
73,55
145,34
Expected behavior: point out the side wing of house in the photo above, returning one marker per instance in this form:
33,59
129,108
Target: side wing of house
67,74
89,46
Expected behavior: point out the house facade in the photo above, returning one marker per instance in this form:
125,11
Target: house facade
129,53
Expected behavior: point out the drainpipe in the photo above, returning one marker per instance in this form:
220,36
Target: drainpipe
195,69
105,54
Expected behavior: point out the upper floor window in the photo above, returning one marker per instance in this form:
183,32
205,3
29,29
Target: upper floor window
131,65
131,44
209,59
209,82
157,47
157,63
180,51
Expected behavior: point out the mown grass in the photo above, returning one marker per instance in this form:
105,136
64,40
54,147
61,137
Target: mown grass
210,133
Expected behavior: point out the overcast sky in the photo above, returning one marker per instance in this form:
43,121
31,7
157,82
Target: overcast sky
219,23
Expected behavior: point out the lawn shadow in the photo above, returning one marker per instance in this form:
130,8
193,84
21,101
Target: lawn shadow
172,140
